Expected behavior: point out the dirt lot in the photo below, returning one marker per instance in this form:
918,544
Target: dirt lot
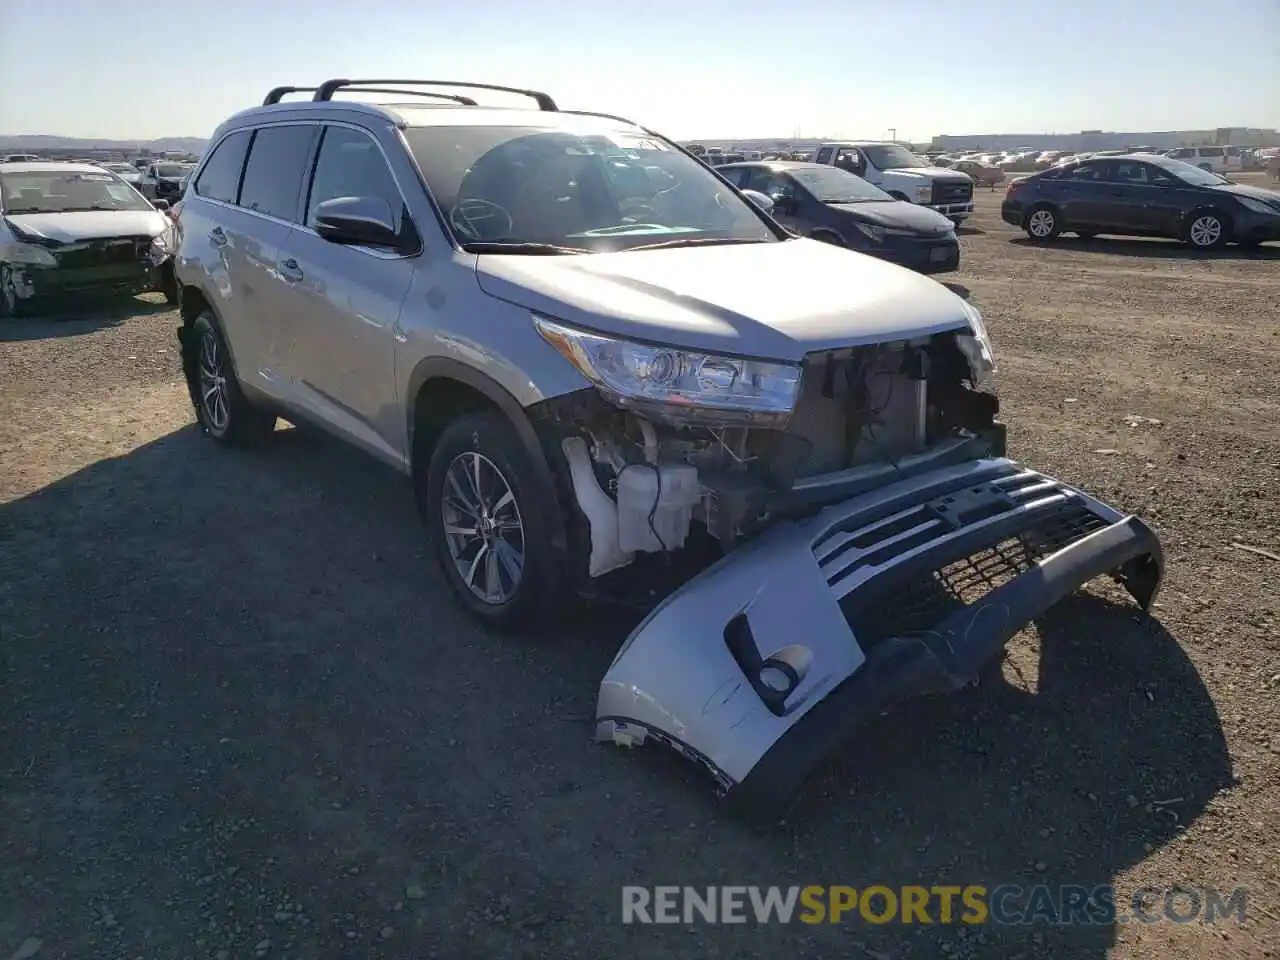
241,717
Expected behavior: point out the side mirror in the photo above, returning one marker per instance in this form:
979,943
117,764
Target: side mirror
761,200
358,221
161,205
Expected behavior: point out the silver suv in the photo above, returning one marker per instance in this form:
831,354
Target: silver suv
596,358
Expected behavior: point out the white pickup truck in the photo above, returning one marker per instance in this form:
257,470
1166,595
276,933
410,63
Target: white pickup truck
899,172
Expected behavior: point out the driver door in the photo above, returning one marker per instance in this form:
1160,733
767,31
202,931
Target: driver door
786,209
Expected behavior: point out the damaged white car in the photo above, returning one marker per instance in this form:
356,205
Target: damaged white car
610,372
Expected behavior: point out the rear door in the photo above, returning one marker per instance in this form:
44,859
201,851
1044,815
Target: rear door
268,204
346,300
1078,194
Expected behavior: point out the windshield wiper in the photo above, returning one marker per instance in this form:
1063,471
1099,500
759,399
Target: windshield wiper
695,242
518,247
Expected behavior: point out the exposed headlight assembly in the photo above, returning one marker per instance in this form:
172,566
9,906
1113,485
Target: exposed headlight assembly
679,386
976,345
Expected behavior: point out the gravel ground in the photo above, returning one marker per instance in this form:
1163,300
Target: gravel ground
241,717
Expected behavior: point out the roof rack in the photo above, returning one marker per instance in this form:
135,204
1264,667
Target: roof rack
327,89
278,93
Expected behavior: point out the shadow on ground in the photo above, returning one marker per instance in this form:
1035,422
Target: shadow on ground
1153,249
241,707
76,318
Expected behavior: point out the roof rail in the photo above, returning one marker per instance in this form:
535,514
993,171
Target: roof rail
275,95
327,89
603,116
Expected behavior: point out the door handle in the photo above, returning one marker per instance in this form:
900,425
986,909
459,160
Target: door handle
290,270
218,237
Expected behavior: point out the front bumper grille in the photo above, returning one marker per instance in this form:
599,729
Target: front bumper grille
902,573
952,191
108,252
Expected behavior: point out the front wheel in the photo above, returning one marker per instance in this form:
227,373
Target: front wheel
492,539
10,304
1042,223
1205,230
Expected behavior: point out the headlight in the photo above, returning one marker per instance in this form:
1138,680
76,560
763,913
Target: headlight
976,345
1257,206
870,230
924,194
31,255
679,386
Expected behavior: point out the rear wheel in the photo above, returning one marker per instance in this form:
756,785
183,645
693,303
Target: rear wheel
1042,223
221,406
1205,230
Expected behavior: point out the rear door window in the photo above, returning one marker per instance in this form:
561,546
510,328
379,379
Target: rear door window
220,178
274,173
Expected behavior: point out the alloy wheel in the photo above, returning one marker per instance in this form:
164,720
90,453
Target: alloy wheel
1205,230
483,527
211,373
1041,223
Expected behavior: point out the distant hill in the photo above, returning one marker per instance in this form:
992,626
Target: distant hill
31,142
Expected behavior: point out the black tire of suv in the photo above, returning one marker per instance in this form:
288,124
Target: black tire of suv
10,305
538,594
246,424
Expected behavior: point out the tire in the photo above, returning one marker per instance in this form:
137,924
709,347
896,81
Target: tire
1206,230
10,305
168,283
899,196
222,409
826,236
1207,167
1042,222
504,572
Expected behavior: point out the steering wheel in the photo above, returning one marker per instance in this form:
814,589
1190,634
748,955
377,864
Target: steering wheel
475,219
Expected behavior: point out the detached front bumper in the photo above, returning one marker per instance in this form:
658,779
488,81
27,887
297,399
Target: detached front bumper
905,591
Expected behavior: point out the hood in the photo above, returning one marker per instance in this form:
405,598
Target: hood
898,215
89,224
928,173
772,301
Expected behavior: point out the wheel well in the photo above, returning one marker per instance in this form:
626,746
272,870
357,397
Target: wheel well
1209,208
440,401
193,304
898,195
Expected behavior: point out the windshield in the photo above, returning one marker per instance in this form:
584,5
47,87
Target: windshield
890,156
49,191
567,192
833,185
172,171
1190,173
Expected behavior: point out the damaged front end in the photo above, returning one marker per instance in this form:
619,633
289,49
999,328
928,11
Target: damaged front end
876,545
762,665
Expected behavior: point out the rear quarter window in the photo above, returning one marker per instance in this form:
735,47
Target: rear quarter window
220,178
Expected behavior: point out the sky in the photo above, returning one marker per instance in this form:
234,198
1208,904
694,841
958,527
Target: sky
697,68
